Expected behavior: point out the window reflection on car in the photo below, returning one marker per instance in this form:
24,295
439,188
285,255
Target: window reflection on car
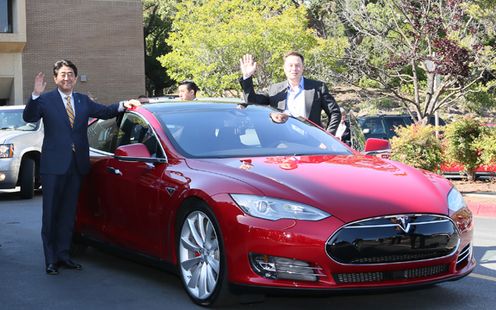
106,135
234,133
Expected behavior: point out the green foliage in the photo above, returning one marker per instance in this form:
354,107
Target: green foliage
460,139
366,82
156,26
480,100
486,145
210,36
417,146
384,103
426,53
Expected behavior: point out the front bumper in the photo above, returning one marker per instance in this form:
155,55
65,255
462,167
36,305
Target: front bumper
9,172
306,242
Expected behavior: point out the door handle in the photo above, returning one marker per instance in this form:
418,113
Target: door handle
114,171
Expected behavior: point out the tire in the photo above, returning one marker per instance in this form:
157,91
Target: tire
26,178
201,258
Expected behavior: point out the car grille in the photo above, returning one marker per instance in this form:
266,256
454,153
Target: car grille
464,257
394,239
364,277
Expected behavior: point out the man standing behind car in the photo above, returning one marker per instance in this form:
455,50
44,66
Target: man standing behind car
187,90
64,155
299,96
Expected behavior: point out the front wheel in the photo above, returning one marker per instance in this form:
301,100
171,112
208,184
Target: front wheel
201,260
26,178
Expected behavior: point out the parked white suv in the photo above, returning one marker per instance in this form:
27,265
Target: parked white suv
20,149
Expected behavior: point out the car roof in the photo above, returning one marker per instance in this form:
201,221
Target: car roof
172,99
202,104
12,107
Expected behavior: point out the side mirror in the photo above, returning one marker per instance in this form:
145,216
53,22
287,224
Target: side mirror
378,147
137,152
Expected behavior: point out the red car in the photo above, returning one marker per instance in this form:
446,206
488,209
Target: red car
243,199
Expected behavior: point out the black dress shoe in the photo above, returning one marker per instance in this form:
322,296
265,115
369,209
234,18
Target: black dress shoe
51,269
71,265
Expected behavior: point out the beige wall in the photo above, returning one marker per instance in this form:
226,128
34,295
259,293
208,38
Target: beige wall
104,38
11,47
11,77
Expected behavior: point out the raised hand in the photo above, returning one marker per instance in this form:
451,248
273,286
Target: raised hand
39,84
247,66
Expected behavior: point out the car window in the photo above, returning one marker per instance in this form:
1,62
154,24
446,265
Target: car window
102,135
12,120
233,132
374,124
391,123
134,129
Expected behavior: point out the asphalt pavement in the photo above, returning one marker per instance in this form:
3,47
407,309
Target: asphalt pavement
109,281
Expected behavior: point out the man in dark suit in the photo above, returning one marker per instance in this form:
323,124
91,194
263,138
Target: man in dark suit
297,95
64,156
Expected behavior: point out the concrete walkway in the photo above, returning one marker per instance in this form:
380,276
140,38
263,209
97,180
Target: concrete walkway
481,203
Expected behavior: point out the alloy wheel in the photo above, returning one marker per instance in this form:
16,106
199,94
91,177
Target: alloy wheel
199,255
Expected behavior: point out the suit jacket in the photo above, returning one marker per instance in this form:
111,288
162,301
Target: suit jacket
56,152
317,98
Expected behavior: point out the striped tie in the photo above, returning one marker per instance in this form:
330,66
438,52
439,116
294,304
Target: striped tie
69,110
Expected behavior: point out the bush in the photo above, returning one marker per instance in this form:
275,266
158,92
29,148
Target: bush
417,146
486,145
461,144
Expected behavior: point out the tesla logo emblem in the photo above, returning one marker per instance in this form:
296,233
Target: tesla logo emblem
402,222
170,190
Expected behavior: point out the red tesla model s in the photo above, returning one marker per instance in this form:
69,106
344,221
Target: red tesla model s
246,199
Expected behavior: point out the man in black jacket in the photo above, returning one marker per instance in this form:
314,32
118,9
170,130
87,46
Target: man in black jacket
298,96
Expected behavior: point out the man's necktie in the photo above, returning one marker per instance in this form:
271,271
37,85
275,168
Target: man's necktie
69,110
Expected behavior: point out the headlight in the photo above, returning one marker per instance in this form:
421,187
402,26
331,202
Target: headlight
455,200
275,209
6,150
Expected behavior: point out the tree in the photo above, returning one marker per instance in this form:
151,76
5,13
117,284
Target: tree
426,53
157,23
210,36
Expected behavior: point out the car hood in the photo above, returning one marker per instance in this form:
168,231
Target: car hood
348,187
7,135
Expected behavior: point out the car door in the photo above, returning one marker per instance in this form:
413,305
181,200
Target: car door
93,202
135,210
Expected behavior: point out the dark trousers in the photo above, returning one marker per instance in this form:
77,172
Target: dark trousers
60,196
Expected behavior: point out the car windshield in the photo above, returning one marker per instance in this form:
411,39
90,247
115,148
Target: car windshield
229,130
12,120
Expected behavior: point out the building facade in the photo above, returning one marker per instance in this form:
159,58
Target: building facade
104,38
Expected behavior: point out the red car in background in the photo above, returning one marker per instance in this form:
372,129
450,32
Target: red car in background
456,171
236,200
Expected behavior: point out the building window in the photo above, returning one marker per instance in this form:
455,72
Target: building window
6,16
